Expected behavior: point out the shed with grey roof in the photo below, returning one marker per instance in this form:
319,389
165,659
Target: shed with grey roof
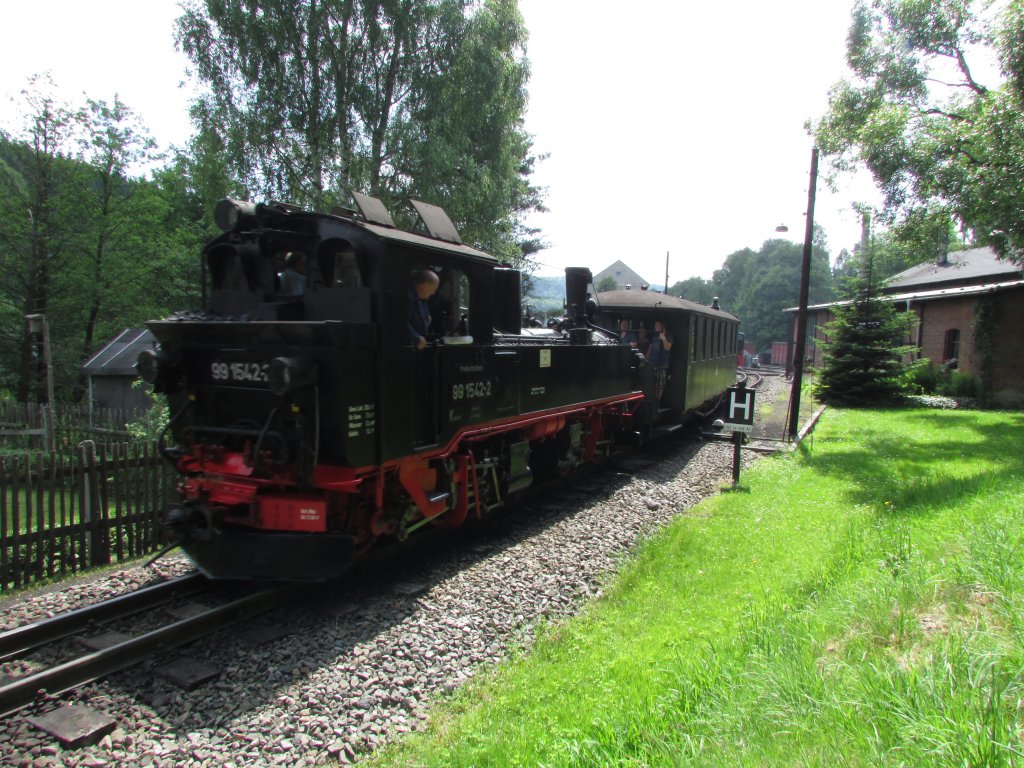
111,371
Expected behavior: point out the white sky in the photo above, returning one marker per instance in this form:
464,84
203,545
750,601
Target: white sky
671,126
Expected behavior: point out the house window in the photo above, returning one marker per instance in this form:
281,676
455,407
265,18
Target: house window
951,346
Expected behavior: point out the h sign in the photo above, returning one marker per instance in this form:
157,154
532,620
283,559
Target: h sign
741,405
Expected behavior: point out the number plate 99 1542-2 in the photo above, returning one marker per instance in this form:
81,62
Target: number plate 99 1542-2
238,372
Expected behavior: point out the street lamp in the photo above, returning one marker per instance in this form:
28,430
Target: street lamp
801,317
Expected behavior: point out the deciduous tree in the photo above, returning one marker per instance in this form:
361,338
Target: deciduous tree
37,183
942,141
392,97
695,289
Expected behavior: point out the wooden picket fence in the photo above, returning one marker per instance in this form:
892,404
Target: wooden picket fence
27,425
61,513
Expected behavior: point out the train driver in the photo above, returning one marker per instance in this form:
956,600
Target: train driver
293,278
424,285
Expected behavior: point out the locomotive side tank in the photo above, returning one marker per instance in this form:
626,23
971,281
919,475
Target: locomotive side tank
307,427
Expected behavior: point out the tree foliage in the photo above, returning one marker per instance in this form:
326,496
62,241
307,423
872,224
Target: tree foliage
84,241
38,184
397,98
863,363
696,289
759,285
940,143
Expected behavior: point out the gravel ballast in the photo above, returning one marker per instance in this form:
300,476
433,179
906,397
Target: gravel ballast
332,679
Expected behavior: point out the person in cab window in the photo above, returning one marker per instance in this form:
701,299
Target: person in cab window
628,337
293,278
424,285
658,354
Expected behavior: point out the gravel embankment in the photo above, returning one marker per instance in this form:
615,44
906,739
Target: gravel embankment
362,666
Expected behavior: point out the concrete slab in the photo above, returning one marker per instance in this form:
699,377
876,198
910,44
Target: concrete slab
102,641
188,674
75,725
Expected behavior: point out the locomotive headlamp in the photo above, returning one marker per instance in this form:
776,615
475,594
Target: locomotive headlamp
156,367
287,374
230,213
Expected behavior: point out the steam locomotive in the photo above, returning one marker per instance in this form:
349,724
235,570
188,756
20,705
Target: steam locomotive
307,429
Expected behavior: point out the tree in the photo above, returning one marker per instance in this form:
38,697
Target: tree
37,179
607,283
84,242
694,289
397,98
863,356
111,142
759,286
729,278
940,144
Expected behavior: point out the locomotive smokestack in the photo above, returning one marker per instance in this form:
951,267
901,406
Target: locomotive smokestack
576,281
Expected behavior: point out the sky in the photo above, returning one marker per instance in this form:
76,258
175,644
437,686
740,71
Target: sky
669,128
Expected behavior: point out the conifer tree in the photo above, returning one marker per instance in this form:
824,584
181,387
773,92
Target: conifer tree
864,354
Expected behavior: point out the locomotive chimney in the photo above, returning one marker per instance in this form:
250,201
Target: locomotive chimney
576,297
576,281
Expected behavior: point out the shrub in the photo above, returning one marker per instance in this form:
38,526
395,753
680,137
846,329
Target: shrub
961,384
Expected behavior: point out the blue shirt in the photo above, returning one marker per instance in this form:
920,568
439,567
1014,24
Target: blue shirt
419,318
657,355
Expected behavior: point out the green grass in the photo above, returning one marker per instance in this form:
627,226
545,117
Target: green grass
859,603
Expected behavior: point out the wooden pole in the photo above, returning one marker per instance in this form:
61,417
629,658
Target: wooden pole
801,318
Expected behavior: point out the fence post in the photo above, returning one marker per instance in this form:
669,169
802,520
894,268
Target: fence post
99,553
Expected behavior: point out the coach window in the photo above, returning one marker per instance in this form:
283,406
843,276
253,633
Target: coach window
951,347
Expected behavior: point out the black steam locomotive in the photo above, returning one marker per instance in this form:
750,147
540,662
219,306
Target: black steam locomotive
307,427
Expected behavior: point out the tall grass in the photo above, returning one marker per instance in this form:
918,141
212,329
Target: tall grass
862,605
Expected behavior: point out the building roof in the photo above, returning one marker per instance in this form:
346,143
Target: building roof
117,357
973,265
929,295
621,274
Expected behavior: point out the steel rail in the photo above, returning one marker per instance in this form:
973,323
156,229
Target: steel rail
24,690
21,639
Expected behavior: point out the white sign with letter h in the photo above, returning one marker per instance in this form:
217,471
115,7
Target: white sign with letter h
741,406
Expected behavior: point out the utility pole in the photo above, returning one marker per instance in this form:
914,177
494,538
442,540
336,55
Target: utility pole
801,318
666,274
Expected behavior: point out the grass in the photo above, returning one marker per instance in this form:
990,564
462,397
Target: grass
862,605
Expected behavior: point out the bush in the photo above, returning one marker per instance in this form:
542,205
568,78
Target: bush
961,384
922,377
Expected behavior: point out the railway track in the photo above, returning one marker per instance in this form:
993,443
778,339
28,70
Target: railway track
22,690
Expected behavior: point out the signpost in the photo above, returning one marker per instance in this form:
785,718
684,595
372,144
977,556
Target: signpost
741,409
740,415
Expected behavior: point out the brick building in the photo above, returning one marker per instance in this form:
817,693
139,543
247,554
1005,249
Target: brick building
953,298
